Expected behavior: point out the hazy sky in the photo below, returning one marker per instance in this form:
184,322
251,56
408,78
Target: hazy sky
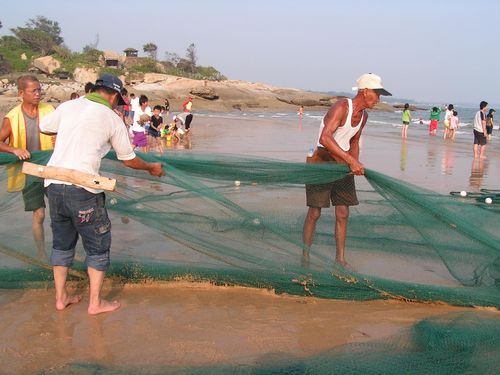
432,51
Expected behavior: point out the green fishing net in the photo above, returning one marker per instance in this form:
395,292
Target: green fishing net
233,220
236,220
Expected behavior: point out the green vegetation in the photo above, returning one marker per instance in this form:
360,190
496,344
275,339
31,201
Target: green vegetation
11,49
42,36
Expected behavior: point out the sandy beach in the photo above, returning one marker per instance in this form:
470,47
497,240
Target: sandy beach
182,325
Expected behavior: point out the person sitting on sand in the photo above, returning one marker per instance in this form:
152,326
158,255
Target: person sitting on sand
338,143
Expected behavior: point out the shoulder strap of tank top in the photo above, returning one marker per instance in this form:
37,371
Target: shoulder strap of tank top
349,112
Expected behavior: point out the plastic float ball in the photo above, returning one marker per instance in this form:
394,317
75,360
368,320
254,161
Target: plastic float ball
463,193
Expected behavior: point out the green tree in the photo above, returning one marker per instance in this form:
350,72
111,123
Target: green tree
37,40
40,34
151,49
48,26
191,57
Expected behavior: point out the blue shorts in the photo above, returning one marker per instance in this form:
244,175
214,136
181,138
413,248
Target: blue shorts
75,211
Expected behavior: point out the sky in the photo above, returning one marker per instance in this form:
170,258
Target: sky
430,51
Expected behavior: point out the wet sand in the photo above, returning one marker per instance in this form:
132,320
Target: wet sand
185,325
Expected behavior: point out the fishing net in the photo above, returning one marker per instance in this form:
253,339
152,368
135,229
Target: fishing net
236,220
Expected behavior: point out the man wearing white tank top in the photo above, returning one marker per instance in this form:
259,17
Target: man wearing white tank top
338,142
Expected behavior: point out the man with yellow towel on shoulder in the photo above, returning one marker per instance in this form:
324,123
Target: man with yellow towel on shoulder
20,128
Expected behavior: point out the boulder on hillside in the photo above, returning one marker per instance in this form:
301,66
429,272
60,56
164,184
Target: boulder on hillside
47,64
84,75
204,92
154,77
58,93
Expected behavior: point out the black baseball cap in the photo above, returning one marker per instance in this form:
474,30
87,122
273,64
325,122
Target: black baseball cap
112,82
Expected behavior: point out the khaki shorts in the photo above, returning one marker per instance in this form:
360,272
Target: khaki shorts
340,192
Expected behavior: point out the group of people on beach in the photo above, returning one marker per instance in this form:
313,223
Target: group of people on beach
150,128
482,126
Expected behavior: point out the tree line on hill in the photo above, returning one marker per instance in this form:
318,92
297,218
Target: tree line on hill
41,36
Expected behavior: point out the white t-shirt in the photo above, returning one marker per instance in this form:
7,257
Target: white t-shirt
478,121
137,115
447,115
134,104
86,131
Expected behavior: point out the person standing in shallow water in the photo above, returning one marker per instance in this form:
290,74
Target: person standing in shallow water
434,117
489,124
406,118
447,119
338,143
480,132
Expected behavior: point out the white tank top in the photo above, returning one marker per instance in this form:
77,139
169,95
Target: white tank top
344,133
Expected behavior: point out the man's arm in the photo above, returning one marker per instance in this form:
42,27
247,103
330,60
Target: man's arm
154,169
483,123
333,120
6,133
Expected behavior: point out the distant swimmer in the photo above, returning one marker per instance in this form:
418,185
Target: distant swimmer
338,143
301,111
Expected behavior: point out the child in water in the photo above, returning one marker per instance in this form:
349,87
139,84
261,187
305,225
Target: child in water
454,125
406,121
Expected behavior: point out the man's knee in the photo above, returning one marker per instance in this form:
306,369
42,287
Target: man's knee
314,213
341,213
39,215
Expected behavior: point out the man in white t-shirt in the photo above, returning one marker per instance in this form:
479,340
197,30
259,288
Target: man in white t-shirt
480,131
86,130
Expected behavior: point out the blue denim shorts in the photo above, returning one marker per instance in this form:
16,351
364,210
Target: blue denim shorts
75,211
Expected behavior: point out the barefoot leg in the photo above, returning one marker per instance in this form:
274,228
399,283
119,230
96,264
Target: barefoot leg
96,304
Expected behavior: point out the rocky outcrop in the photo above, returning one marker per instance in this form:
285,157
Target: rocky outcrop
46,64
308,102
84,75
204,92
154,77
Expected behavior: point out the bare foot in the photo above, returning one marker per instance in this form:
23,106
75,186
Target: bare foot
68,300
345,265
103,307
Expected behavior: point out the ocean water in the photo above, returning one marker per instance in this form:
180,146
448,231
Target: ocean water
427,161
